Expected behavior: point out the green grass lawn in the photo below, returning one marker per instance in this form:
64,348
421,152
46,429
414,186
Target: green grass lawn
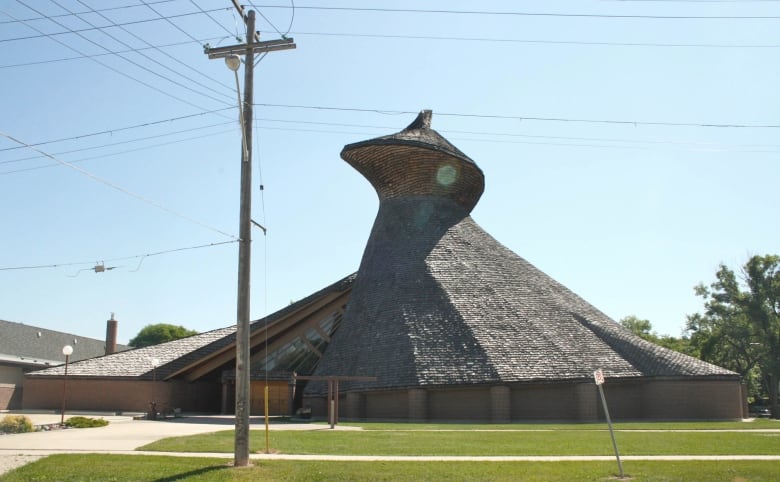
67,468
403,439
443,439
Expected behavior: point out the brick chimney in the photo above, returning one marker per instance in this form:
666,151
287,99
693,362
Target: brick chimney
111,330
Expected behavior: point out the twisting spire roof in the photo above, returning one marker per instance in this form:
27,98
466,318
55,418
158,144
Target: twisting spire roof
417,161
438,301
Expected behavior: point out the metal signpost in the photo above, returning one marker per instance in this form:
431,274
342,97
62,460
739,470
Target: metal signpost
598,376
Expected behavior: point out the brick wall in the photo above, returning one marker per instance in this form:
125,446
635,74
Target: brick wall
11,378
686,400
574,401
120,395
10,396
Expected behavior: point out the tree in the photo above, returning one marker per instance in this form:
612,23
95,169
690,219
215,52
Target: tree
159,333
644,329
740,326
639,327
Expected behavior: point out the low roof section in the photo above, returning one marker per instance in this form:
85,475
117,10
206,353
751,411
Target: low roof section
31,346
209,354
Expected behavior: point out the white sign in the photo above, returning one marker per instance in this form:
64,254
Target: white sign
598,375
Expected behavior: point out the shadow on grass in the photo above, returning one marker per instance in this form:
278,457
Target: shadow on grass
193,473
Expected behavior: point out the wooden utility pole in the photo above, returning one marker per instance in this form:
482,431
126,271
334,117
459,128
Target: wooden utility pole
243,401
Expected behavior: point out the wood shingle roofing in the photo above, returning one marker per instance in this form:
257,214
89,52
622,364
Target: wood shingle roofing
176,357
138,363
438,301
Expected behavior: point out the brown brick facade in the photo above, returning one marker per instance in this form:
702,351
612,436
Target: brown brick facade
627,400
120,395
10,396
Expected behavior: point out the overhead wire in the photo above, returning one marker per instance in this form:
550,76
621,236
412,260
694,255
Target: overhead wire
91,29
117,71
126,151
509,134
530,118
211,18
692,147
119,188
111,144
526,14
502,138
108,9
166,54
105,54
259,12
539,41
292,18
118,129
111,260
136,64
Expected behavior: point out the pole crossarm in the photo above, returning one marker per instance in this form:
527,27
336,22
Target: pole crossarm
256,47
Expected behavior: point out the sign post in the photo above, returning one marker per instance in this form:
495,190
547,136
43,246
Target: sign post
598,376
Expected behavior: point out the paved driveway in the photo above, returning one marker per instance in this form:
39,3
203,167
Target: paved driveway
122,434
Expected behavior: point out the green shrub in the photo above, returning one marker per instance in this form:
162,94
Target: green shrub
84,422
15,424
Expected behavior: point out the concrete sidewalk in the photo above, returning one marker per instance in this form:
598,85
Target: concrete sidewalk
122,435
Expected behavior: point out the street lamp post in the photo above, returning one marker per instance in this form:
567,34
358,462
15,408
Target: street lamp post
67,350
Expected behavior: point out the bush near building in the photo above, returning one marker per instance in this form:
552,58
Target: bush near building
16,424
84,422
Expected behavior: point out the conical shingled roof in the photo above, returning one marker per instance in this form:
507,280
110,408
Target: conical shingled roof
437,301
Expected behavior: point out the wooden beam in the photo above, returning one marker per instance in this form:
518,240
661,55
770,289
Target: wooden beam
307,314
342,378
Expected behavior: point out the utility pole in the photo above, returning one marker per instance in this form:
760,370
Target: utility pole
243,402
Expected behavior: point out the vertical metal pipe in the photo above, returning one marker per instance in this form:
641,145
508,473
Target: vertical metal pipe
64,389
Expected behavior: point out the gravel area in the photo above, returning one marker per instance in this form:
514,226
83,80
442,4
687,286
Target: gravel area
10,462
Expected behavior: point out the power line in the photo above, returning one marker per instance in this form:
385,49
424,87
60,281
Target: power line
134,22
292,18
104,54
118,129
118,188
211,18
170,22
139,139
529,118
126,151
126,59
527,14
169,56
689,146
142,256
701,145
266,19
335,124
109,9
108,66
537,41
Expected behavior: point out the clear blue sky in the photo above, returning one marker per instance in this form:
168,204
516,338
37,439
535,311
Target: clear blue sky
629,213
